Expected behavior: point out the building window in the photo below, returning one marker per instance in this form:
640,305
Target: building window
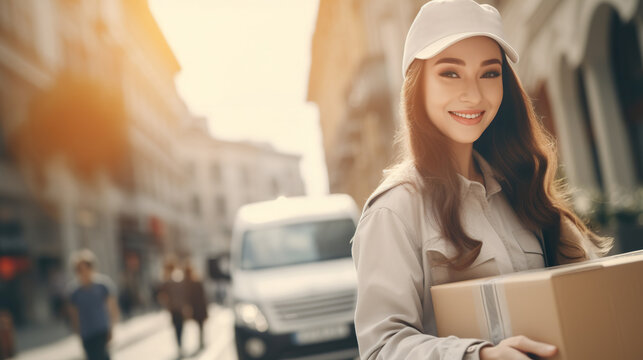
227,231
215,173
628,74
245,176
275,187
220,204
589,130
196,206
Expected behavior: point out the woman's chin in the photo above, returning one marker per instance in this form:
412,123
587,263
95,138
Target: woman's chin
465,140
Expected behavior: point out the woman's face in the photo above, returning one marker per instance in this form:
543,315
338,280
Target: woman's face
463,88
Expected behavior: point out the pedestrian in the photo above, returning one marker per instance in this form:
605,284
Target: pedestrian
473,194
56,291
92,306
129,296
197,303
7,341
172,297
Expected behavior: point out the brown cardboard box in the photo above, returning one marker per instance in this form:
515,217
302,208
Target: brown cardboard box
592,310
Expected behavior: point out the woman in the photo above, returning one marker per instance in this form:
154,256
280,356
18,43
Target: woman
472,196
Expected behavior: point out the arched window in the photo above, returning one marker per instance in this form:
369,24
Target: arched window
628,75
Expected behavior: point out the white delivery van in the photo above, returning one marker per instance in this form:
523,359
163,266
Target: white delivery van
293,282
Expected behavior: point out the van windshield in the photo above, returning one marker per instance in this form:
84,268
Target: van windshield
297,243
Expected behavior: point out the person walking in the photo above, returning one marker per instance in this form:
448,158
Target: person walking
196,301
473,195
172,296
7,340
92,306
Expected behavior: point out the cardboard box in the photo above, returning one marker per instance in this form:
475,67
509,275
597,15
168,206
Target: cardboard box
592,310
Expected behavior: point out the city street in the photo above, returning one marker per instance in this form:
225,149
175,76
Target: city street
151,336
300,176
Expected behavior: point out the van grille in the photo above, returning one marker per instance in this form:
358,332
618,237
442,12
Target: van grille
318,306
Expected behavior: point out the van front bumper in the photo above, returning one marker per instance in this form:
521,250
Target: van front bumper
283,346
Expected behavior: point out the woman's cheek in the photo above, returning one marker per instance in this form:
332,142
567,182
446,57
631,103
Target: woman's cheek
494,92
443,90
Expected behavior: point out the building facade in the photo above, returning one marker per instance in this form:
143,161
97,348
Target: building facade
98,151
355,80
581,63
227,175
68,58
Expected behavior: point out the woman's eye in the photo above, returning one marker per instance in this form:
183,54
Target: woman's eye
450,74
491,74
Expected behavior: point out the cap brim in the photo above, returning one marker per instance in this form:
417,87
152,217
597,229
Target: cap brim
438,46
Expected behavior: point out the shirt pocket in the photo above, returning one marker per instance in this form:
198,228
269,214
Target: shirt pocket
530,247
438,249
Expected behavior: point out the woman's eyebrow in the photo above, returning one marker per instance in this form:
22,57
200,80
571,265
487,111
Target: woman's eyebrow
461,62
450,61
491,61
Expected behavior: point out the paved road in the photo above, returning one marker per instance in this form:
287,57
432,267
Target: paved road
151,336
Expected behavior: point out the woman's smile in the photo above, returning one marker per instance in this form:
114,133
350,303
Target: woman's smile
467,117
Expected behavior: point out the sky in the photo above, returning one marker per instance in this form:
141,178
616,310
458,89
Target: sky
244,66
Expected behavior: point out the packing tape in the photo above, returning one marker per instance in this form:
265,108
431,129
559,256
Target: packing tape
495,311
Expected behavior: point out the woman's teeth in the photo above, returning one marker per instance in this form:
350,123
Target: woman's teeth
466,116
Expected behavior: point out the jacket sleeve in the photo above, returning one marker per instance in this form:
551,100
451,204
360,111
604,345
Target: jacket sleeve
389,312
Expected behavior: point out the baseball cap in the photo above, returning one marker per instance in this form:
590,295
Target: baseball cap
441,23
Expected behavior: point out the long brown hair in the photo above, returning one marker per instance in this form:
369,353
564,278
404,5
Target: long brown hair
520,150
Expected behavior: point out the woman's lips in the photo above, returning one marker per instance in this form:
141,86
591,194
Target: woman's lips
467,117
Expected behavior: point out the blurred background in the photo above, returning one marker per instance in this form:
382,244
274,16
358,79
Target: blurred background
137,129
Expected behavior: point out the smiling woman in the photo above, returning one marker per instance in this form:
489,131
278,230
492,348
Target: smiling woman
477,168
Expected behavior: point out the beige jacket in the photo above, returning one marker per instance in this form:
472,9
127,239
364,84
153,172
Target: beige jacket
395,248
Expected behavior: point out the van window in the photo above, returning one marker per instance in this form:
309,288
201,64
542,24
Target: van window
297,243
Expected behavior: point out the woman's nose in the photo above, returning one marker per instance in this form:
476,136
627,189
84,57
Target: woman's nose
471,92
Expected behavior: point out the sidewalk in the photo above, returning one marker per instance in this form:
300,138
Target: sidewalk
34,336
125,333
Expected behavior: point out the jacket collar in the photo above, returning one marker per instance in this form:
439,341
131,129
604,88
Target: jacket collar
490,176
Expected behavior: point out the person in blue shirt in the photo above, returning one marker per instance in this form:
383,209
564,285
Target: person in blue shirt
92,306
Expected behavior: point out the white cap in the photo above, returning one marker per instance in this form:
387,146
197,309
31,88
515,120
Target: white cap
441,23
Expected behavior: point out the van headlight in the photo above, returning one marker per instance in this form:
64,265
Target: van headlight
250,315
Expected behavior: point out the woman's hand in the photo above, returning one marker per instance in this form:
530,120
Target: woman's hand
517,348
